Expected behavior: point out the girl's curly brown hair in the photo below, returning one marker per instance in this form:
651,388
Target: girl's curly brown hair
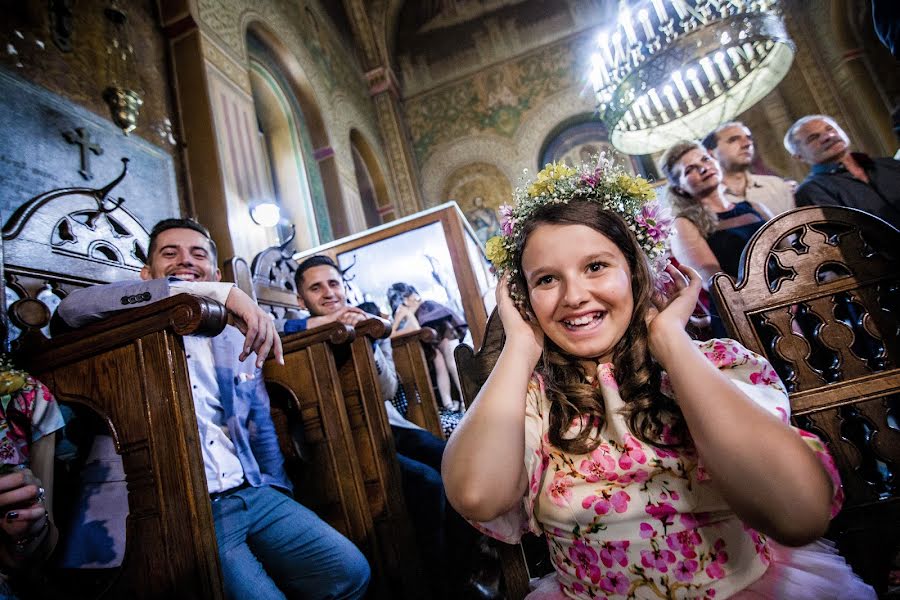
648,411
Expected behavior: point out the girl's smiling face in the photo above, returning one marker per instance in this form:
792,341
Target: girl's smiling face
579,287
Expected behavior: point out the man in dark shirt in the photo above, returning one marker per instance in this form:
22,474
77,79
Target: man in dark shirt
840,177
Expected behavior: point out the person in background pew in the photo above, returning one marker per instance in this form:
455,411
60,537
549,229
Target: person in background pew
732,145
711,230
839,177
320,290
269,545
29,420
657,467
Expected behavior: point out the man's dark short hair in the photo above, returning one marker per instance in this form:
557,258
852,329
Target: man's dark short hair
167,224
314,261
712,138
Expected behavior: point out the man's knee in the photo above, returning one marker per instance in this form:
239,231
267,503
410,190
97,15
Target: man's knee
356,576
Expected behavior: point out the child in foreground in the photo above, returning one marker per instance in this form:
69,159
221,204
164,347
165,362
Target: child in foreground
656,466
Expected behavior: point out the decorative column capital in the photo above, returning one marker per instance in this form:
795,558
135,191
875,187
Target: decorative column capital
381,80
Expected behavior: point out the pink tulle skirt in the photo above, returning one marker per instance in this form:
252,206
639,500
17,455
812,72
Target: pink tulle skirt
812,572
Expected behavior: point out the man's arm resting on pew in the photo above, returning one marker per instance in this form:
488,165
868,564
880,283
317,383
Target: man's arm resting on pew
94,303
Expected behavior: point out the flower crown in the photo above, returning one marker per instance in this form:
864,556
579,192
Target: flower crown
608,185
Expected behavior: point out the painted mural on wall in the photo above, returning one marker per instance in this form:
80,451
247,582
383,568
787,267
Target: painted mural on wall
581,143
479,189
495,100
300,21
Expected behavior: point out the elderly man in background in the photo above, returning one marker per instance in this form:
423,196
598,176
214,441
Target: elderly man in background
732,145
839,177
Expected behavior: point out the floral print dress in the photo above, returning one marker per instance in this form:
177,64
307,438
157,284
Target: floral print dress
26,415
630,520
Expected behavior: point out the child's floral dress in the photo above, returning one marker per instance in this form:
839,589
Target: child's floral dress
630,520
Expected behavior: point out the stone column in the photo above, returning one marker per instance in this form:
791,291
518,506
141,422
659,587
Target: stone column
386,96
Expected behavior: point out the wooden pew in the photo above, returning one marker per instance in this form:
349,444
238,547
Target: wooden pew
131,370
412,370
335,374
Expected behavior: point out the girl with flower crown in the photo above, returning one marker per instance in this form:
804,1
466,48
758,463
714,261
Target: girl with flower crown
656,466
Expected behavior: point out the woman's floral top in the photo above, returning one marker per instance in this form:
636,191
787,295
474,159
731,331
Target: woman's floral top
26,415
630,520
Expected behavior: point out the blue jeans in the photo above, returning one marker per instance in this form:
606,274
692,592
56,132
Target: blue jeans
271,547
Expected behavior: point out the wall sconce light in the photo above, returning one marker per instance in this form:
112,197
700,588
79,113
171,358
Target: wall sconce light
266,214
124,102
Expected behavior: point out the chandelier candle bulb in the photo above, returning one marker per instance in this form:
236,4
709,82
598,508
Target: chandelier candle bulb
603,42
660,10
617,43
644,18
625,22
696,84
679,85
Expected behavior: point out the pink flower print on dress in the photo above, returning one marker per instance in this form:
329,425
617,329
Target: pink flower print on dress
685,569
615,552
600,466
639,476
614,582
721,354
658,558
619,501
647,531
634,453
767,376
717,558
663,511
684,542
561,489
585,560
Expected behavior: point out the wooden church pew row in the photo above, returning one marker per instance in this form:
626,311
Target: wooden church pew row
412,370
132,371
377,457
393,549
307,406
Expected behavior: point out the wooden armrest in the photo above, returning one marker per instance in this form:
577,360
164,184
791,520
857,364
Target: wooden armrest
426,335
332,333
376,328
184,314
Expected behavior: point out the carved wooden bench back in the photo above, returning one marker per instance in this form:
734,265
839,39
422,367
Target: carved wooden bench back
818,296
334,374
130,370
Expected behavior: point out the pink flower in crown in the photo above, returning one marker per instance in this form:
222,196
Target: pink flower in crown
655,220
615,552
585,560
507,222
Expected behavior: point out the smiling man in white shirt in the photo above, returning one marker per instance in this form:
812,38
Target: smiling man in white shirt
269,545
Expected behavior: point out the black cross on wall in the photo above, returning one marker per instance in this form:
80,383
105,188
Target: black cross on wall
82,137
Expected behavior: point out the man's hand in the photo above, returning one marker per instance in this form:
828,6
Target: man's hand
348,315
257,326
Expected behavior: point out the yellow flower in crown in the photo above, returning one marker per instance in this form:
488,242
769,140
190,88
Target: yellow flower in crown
635,186
546,179
495,250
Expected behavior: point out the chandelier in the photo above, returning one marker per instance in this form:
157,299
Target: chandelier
675,69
